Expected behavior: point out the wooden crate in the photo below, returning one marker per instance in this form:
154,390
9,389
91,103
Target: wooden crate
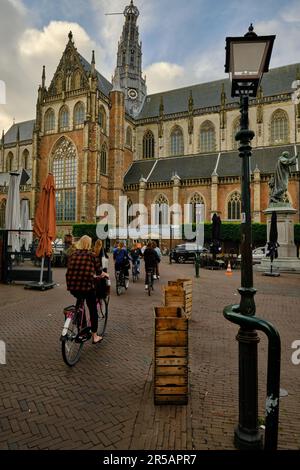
174,296
170,359
187,285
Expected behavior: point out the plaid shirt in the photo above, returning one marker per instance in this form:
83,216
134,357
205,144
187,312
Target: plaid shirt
82,267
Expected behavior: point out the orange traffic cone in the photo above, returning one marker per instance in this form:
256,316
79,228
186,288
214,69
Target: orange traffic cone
228,270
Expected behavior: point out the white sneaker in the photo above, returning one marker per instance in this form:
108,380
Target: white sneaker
146,287
154,277
158,277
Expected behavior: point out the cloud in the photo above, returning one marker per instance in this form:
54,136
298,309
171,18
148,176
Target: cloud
52,39
22,57
162,76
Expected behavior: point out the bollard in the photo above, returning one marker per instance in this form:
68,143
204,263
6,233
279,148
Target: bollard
197,264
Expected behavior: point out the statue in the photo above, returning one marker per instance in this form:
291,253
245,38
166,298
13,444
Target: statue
279,183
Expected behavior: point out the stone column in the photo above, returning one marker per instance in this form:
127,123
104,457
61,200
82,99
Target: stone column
256,196
214,192
287,260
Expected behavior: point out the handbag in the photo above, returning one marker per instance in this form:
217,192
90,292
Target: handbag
104,262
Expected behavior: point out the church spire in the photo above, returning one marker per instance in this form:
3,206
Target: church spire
128,72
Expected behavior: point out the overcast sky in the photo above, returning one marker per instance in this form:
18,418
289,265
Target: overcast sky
183,40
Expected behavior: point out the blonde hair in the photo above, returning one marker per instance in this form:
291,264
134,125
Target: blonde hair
84,243
98,247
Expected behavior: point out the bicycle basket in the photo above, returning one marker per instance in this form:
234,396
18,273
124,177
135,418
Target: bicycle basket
69,312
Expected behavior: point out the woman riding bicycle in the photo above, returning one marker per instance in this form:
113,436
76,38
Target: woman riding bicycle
135,254
83,267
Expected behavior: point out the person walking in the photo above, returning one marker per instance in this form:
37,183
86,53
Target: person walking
157,249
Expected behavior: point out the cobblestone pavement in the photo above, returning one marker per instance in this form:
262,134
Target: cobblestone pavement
106,400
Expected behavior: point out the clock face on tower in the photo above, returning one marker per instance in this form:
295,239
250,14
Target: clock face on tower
132,93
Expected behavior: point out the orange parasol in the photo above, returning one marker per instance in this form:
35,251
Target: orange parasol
45,219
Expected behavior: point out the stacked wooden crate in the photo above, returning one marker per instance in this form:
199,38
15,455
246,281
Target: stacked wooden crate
170,357
172,297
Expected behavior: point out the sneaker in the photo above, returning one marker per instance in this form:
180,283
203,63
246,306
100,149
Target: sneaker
146,287
158,277
154,277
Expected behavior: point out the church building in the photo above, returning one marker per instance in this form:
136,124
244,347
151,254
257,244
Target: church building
102,140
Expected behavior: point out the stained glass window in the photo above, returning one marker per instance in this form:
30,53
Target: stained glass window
79,114
207,137
49,120
148,145
177,145
279,127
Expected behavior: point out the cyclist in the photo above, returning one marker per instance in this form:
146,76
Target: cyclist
122,260
82,269
151,259
157,249
135,255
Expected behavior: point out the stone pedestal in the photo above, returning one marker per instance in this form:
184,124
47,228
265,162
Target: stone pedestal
287,260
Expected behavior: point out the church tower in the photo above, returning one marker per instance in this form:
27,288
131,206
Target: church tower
128,73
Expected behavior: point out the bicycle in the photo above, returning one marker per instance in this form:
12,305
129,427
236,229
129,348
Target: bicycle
77,328
122,282
135,271
150,280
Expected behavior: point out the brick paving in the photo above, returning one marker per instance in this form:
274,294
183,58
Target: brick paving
106,400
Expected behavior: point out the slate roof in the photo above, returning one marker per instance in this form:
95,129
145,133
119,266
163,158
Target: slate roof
202,166
276,81
25,129
104,85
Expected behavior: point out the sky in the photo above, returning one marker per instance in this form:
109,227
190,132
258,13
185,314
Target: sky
183,41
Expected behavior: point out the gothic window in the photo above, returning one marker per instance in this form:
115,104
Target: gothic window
148,145
161,205
194,201
177,146
79,114
234,206
64,119
9,162
235,129
49,121
129,137
64,169
2,213
207,137
102,119
77,80
279,127
103,160
25,159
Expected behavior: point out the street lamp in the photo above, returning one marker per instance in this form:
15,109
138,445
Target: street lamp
247,58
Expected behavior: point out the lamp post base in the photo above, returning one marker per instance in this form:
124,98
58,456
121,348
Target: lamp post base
244,440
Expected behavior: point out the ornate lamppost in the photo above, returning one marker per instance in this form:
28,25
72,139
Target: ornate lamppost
247,58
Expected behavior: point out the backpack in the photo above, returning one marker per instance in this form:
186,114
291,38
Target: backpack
120,255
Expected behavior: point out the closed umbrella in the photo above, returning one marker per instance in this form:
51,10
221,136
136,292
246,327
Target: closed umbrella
12,212
45,221
273,244
26,224
216,235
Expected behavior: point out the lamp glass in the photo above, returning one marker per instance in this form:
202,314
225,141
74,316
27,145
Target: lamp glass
248,58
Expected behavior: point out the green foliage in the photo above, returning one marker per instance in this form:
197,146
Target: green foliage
84,229
231,231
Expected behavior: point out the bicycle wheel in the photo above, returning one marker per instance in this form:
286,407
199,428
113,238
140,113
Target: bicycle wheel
119,283
102,316
71,348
